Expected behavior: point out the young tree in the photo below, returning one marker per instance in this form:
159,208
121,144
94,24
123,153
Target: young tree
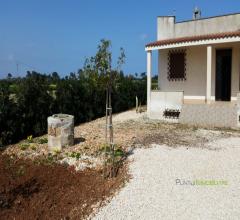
103,64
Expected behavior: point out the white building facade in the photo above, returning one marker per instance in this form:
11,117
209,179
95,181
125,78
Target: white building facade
198,68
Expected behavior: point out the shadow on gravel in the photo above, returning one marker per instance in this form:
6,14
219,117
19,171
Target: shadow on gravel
79,140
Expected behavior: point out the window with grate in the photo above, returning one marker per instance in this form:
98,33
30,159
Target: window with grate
177,65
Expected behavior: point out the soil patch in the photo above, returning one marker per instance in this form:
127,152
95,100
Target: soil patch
32,190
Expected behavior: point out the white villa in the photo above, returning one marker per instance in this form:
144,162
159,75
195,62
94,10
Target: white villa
198,71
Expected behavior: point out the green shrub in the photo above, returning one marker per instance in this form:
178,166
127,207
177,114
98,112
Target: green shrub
24,146
42,140
119,153
30,139
76,155
33,147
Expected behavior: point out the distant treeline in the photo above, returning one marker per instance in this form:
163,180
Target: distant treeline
25,103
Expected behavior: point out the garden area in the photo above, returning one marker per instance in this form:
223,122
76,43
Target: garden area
70,184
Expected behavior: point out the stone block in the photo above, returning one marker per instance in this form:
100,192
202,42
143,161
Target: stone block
60,131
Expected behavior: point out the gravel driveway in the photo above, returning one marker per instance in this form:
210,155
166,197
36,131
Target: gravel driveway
153,193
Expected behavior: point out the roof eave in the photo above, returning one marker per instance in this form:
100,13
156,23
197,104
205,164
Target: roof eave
194,43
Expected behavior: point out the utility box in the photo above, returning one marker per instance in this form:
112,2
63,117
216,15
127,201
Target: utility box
60,131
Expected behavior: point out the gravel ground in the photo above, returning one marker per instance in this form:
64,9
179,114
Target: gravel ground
152,193
128,115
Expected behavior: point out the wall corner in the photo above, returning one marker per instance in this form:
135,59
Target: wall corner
165,27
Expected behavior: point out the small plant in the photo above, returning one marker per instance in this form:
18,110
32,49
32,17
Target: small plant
119,153
105,148
42,140
50,159
30,139
56,151
24,146
76,155
33,147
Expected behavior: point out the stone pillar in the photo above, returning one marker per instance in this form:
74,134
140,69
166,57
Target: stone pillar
60,131
209,74
149,79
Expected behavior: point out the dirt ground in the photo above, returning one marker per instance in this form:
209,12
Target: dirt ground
35,190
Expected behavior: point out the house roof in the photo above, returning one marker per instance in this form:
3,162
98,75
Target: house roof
170,41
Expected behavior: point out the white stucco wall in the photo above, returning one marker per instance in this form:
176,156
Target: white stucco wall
196,67
235,71
160,101
167,28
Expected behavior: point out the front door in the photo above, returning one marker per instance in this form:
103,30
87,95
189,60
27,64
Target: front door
223,75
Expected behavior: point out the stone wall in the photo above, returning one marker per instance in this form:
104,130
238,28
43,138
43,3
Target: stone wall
210,115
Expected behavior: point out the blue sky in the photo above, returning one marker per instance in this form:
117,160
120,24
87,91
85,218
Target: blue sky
57,35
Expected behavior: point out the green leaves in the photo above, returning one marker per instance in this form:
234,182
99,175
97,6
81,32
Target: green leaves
42,140
76,155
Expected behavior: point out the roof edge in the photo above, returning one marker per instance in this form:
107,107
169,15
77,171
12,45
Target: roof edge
203,18
194,38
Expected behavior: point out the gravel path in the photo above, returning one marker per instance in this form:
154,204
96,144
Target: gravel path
152,193
128,115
